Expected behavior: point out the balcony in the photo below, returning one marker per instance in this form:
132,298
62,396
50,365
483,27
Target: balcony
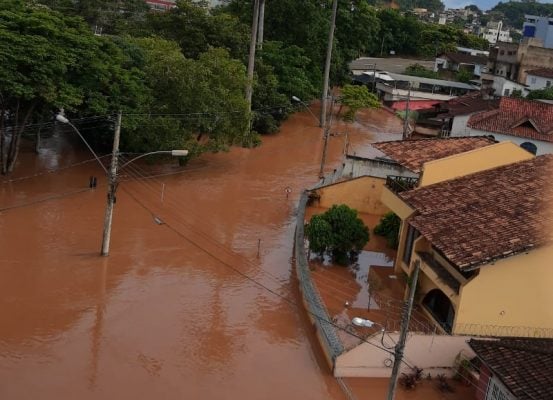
441,272
398,184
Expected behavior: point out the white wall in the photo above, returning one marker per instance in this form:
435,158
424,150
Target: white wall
459,127
538,82
435,354
501,85
543,147
354,168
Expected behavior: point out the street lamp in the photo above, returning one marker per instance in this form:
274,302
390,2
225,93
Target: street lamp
112,173
298,100
365,323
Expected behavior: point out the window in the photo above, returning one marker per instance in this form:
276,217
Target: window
548,83
530,147
412,234
502,52
533,80
506,92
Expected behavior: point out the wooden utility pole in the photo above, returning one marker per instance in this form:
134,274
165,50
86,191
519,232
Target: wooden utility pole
406,121
261,24
327,63
400,346
251,57
112,187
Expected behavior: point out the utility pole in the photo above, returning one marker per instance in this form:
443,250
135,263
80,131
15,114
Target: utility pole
112,187
261,24
326,134
327,63
400,346
251,57
406,121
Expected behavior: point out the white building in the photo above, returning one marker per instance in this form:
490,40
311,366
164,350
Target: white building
539,28
493,33
540,78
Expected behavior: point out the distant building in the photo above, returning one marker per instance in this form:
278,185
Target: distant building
540,78
494,32
476,64
540,28
161,5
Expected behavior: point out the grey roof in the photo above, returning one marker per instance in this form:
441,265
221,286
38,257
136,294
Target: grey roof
430,81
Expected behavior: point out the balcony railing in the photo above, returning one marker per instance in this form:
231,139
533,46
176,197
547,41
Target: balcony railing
443,274
398,184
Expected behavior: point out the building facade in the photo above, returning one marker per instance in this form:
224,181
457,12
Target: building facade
540,28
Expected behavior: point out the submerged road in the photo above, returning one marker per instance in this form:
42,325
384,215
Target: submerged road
182,310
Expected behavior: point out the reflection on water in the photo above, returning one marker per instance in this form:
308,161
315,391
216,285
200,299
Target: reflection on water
171,313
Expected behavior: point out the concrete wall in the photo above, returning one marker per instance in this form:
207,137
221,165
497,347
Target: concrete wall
355,167
535,82
434,353
459,126
543,147
472,161
513,292
362,194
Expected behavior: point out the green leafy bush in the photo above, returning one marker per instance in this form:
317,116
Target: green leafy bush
389,228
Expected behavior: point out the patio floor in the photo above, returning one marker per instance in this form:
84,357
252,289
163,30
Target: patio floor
368,289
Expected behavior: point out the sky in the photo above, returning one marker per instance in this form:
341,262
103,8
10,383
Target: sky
482,4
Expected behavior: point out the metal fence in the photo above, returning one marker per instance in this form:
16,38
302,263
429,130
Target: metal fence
311,297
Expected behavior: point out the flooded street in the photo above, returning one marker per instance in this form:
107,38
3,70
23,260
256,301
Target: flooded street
198,298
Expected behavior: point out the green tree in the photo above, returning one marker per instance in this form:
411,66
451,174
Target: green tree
356,98
49,61
464,75
319,233
348,233
389,228
419,70
541,94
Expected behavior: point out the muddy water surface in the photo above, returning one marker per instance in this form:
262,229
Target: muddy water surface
176,311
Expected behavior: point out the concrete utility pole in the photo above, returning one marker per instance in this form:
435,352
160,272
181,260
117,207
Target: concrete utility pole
406,121
400,346
251,57
261,24
112,187
326,136
327,63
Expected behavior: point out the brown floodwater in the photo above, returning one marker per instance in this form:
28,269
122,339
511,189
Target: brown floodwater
176,311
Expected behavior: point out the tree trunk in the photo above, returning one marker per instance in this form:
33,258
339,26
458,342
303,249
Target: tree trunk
37,144
2,135
15,138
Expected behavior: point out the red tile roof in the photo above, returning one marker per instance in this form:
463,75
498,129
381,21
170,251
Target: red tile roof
481,217
543,72
467,104
517,117
412,154
525,366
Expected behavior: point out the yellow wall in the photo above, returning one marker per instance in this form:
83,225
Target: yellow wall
394,203
362,194
516,291
472,161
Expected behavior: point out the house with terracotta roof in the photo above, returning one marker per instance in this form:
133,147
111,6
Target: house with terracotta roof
524,122
514,368
457,61
479,225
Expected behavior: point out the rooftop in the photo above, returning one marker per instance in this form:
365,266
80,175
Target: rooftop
525,366
481,217
431,81
412,154
543,72
517,117
461,58
467,104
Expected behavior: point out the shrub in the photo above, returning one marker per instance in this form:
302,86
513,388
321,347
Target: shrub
389,228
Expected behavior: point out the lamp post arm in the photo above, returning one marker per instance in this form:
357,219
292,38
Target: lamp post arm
176,153
87,145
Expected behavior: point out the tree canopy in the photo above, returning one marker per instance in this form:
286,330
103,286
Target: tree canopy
338,231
